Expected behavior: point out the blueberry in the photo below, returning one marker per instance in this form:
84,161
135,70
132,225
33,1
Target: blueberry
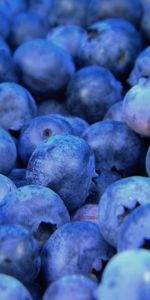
15,6
42,7
118,35
136,108
17,106
40,129
67,37
11,288
8,152
118,201
115,112
72,249
145,21
74,287
4,25
79,125
6,186
38,209
18,176
116,147
141,68
126,277
44,68
19,254
135,231
91,91
125,9
26,26
87,212
71,12
7,67
65,164
51,106
100,184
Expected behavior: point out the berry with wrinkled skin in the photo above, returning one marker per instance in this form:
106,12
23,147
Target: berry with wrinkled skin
65,164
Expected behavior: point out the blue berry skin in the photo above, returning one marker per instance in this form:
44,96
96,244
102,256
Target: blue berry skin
69,12
147,162
74,287
19,254
145,21
14,7
118,35
102,181
11,288
18,176
41,7
44,68
141,68
126,277
66,164
135,231
115,112
17,106
79,125
87,212
124,9
72,249
99,185
51,106
91,91
6,186
38,209
136,107
26,26
116,147
4,25
7,68
38,130
118,201
8,152
68,37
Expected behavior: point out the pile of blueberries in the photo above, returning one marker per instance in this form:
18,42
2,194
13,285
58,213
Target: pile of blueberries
74,150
